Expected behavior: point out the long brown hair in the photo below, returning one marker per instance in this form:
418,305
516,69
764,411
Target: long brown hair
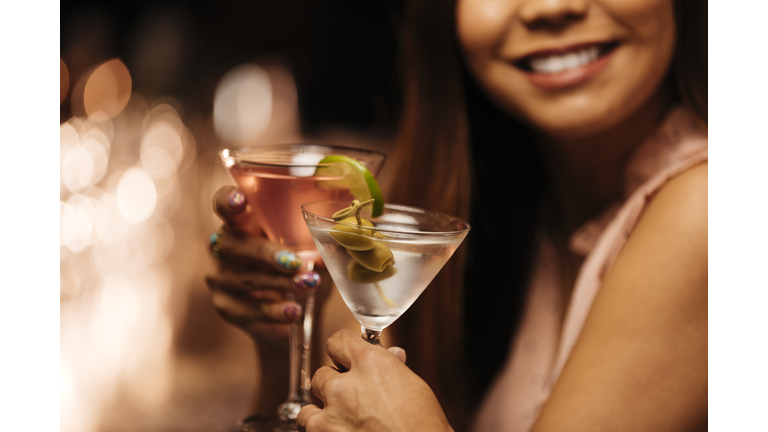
431,166
428,168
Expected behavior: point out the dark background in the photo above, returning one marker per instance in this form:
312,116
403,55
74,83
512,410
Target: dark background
342,52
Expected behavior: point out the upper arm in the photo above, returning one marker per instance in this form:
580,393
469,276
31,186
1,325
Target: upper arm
640,363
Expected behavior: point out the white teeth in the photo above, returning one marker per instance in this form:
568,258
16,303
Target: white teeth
562,62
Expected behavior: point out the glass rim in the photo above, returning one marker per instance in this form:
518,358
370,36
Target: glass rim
228,153
400,207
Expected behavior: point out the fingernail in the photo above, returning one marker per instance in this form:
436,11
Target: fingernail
288,260
307,280
236,200
292,311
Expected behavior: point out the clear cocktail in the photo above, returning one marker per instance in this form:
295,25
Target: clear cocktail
380,270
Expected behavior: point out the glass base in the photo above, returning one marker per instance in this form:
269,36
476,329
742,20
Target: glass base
267,423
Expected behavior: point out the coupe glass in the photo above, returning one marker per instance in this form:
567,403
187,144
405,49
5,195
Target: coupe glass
276,180
410,246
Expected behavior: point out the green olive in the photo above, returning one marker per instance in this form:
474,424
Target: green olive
354,238
358,273
376,259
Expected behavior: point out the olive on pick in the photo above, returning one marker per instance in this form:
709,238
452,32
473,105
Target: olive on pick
353,237
376,259
357,273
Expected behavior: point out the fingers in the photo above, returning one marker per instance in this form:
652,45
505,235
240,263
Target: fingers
305,415
398,352
257,283
240,247
244,311
344,346
228,202
320,380
231,206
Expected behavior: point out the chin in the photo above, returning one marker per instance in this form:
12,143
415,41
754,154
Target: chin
576,128
579,117
574,124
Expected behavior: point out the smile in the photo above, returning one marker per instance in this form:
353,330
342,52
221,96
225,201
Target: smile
559,69
557,62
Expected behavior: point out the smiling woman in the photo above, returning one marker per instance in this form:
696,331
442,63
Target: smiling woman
584,308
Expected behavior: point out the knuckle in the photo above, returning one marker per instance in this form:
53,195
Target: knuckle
334,388
262,249
210,280
314,423
215,277
219,302
223,312
271,312
335,338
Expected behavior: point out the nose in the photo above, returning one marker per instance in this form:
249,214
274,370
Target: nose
552,13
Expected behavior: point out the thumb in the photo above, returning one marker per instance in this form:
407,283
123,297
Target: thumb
398,352
231,206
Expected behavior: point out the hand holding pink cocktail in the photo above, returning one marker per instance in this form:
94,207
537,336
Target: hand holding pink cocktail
275,182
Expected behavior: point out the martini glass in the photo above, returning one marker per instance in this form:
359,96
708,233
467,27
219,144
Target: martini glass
275,181
379,286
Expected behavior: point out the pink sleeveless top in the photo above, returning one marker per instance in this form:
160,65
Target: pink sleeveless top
541,346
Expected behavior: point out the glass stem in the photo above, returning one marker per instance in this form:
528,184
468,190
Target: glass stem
299,357
371,336
306,349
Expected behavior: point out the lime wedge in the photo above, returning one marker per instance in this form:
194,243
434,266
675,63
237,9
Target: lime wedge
355,177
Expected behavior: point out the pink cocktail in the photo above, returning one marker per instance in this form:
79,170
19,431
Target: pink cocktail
275,193
276,181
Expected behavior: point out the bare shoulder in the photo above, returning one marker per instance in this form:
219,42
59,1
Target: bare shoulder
640,363
671,235
679,208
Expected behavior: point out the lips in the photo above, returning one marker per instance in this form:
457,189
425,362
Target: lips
561,68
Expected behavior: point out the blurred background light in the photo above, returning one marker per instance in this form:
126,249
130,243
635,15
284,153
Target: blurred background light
161,150
117,225
68,224
107,89
136,196
96,145
76,167
64,76
242,105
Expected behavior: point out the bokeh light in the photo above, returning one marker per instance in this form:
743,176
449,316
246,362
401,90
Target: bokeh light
107,89
136,196
242,106
85,148
161,149
68,224
117,226
64,76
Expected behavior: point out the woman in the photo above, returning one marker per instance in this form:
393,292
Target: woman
585,180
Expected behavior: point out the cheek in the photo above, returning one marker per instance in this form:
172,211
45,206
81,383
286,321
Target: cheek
480,25
655,28
652,21
639,10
